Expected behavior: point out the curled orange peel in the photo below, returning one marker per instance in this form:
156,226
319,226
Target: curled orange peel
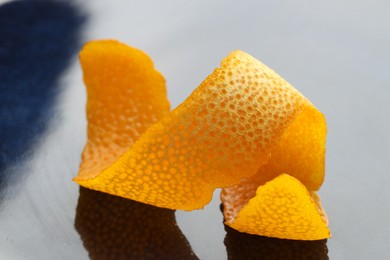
221,134
242,127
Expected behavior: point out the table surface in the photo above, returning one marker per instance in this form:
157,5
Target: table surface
335,52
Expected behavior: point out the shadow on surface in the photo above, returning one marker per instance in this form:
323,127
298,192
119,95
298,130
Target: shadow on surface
38,40
245,246
112,227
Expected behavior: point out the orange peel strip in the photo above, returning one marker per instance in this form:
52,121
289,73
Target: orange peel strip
222,134
125,96
281,208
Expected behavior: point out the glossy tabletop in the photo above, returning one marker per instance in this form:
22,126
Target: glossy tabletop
335,52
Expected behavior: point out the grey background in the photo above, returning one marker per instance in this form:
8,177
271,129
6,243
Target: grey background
335,52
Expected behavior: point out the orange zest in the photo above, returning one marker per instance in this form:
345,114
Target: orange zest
239,130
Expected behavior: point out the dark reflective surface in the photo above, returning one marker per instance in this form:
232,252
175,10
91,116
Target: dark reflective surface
246,246
115,228
38,40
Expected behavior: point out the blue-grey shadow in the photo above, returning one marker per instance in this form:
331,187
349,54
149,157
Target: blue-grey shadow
38,40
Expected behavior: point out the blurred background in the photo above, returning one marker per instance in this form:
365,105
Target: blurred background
334,52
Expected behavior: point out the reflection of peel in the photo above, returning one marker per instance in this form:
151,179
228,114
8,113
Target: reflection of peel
115,228
245,246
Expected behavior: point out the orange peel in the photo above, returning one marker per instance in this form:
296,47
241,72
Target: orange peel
241,128
241,118
125,96
281,208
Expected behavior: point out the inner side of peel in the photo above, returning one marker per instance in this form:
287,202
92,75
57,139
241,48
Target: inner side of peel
316,200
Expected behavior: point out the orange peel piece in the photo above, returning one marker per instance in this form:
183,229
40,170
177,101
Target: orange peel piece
125,96
239,119
281,208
